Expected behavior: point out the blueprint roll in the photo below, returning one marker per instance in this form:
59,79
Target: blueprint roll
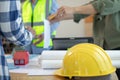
114,54
116,63
51,64
52,55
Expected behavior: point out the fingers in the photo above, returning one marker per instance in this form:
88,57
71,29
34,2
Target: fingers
39,39
61,12
52,16
31,30
38,36
58,16
53,19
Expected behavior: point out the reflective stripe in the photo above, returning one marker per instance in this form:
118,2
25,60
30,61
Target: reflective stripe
34,24
28,24
47,8
41,12
38,23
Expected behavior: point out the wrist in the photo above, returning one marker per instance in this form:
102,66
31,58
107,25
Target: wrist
77,10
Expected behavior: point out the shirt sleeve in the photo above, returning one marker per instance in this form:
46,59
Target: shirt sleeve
78,17
11,25
106,7
54,8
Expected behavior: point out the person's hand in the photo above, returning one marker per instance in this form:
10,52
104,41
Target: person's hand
53,18
31,30
66,12
39,39
63,13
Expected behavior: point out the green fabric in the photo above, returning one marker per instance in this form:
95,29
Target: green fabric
78,17
37,15
106,26
106,7
26,8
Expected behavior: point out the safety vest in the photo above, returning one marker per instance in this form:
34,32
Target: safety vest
36,17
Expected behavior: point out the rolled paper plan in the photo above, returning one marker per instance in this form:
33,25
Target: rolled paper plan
114,54
51,64
52,55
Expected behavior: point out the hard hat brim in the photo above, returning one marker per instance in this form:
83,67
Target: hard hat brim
58,72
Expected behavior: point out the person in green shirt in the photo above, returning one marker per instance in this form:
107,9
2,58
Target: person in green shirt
106,22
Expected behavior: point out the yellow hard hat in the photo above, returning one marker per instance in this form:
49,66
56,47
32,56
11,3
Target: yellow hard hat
86,60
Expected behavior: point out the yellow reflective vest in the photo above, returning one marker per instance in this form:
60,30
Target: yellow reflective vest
36,17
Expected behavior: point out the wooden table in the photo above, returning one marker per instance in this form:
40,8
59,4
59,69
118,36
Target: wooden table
19,76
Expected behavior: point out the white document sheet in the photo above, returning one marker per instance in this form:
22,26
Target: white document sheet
20,70
46,33
51,64
43,72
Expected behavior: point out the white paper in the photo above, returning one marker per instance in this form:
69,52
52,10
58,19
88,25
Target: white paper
53,55
46,33
42,72
51,64
19,70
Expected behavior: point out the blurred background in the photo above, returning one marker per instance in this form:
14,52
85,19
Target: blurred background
66,28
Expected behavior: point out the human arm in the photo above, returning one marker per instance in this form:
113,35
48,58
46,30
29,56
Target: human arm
54,8
101,7
11,24
66,13
106,7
